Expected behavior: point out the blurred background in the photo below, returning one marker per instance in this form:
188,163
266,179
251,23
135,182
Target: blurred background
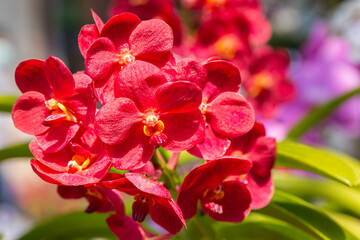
322,38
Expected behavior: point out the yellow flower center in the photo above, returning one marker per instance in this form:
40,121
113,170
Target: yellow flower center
58,108
226,47
152,124
125,58
214,194
262,80
78,162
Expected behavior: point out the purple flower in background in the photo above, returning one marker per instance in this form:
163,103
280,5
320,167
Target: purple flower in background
322,72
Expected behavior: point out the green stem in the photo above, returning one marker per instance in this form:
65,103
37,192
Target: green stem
202,230
169,175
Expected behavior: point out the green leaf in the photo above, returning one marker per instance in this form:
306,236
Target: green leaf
14,151
198,227
335,194
319,113
303,215
349,223
257,226
72,226
299,156
6,103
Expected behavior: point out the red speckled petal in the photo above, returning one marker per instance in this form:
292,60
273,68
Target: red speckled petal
119,28
150,38
115,119
222,76
177,97
231,115
183,130
125,228
82,104
59,77
147,185
263,155
246,142
132,153
99,23
139,81
29,112
56,138
101,59
69,179
29,76
168,215
261,189
191,70
213,146
88,34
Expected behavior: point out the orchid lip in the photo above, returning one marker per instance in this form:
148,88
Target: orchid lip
153,128
141,207
78,163
216,194
125,58
57,107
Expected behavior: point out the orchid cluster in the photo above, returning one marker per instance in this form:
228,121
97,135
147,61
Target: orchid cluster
136,99
233,30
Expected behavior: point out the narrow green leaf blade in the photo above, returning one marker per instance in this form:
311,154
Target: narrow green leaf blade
14,151
72,226
6,103
257,226
299,156
319,113
303,215
334,193
349,223
199,227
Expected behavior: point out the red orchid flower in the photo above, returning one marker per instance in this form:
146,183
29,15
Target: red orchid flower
54,102
101,200
149,9
149,112
261,151
226,112
221,197
125,39
150,198
268,84
82,161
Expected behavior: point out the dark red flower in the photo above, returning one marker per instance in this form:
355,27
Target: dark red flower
226,112
261,151
149,9
231,34
150,198
127,228
54,103
125,39
221,197
268,84
101,200
82,161
149,112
